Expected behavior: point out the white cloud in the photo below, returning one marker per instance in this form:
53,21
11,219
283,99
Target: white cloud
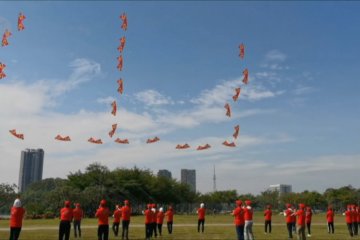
302,90
105,100
275,56
153,98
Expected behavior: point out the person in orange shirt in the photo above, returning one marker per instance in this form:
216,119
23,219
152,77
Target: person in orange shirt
289,218
116,222
66,216
267,216
102,215
248,216
170,218
301,221
148,218
78,215
354,220
308,220
357,220
201,217
17,213
239,220
348,219
160,220
330,219
125,215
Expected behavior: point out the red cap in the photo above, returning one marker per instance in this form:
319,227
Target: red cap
238,202
103,203
77,205
67,203
288,205
248,202
149,205
126,202
301,205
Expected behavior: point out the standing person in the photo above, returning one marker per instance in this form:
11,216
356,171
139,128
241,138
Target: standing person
153,220
201,217
66,216
348,219
301,214
354,220
308,214
267,216
160,220
330,220
78,215
170,218
293,219
102,215
288,218
116,222
239,220
148,218
125,215
248,215
357,210
16,217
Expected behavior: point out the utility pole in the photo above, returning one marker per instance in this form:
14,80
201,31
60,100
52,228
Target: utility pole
214,181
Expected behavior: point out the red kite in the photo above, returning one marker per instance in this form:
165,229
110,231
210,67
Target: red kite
120,62
96,141
122,141
184,146
121,86
206,146
21,19
65,139
2,67
112,132
236,133
155,139
124,24
228,109
226,143
242,51
4,41
237,94
246,76
18,135
122,44
114,108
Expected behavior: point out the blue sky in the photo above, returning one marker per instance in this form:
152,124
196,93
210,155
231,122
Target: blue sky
298,115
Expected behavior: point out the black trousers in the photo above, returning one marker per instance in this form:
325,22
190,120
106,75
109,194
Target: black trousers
290,229
356,228
268,224
169,227
308,225
77,228
125,229
64,230
159,226
331,228
153,229
202,223
115,228
103,232
148,229
350,229
15,233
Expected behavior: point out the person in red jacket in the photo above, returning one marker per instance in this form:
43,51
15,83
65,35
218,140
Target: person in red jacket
125,215
78,215
160,220
148,218
348,219
354,220
66,216
170,218
201,217
267,216
330,220
289,218
308,220
239,220
116,222
153,220
102,215
357,211
248,216
17,213
301,214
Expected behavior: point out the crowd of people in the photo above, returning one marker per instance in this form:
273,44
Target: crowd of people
297,220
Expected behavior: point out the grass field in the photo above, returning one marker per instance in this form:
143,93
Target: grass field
216,227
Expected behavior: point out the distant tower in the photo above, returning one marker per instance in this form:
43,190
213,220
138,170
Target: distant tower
188,176
214,181
31,167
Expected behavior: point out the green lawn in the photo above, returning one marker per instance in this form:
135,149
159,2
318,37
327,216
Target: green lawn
216,227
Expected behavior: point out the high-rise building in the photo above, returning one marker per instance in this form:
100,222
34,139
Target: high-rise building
281,188
31,167
188,176
164,173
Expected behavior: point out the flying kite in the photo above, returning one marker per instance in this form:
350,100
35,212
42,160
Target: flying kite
152,140
65,139
112,132
236,133
237,94
114,108
4,41
246,76
2,67
206,146
228,109
121,86
122,141
120,62
18,135
96,141
21,19
226,143
242,51
124,24
122,44
184,146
